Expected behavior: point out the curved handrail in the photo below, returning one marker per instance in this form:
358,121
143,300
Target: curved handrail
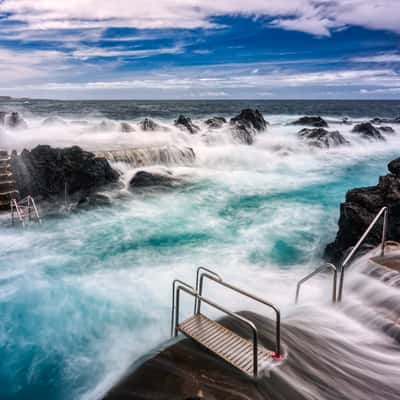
205,269
175,281
251,296
244,320
315,272
383,211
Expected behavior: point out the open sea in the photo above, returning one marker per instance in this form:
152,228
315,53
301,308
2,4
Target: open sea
84,296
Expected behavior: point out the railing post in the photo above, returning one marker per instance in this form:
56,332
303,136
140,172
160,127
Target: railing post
384,231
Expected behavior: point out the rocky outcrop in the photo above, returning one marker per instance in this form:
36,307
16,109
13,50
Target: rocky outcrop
185,123
368,131
386,129
320,137
247,124
45,172
378,120
359,209
146,179
316,122
14,120
148,125
126,127
215,122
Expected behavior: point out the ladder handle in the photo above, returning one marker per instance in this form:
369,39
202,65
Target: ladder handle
186,288
174,283
199,282
315,272
251,296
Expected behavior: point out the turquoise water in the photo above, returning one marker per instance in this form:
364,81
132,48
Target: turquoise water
82,297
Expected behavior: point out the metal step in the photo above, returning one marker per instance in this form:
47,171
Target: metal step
224,343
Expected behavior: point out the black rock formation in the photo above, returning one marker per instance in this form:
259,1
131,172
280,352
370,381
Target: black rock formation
126,127
185,123
2,117
386,129
14,120
145,179
316,122
368,131
45,172
320,137
359,209
247,124
148,125
215,122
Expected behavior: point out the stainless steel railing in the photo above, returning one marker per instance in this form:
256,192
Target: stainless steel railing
187,289
321,268
207,273
383,212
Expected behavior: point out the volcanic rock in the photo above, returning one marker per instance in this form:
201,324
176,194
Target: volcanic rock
316,122
185,123
320,137
368,131
215,122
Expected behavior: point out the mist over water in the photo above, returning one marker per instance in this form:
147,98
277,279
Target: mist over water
82,297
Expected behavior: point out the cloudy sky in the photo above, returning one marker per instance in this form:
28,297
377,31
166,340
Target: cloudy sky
216,49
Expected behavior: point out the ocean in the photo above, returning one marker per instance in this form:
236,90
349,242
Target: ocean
84,296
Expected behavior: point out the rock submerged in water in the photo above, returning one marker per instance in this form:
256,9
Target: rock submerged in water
320,137
54,120
148,125
2,118
386,129
359,209
185,123
146,179
126,127
215,122
44,171
316,122
368,131
247,124
14,120
378,121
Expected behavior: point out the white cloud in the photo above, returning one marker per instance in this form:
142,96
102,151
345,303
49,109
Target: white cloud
380,58
317,17
392,90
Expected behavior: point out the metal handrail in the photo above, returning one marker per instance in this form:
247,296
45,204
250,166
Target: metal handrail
315,272
185,288
383,211
212,277
175,281
205,269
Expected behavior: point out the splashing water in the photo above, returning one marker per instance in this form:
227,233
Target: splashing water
82,297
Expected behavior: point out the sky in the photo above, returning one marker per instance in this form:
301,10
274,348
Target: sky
200,49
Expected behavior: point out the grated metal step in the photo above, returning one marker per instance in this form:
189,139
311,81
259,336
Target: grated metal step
224,343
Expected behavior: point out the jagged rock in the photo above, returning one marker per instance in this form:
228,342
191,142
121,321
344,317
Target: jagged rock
346,121
246,125
44,171
146,179
126,127
54,120
367,131
149,125
2,117
316,122
386,129
215,122
320,137
14,120
186,123
359,209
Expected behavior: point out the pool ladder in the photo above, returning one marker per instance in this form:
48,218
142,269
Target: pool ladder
249,356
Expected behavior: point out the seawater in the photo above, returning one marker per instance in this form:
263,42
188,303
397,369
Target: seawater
84,296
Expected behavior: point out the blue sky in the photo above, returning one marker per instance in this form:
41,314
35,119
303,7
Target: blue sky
188,49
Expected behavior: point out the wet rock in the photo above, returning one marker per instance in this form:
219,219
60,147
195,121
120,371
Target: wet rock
45,172
247,124
93,200
185,123
378,121
126,127
149,125
320,137
316,122
2,117
146,179
54,120
346,121
359,209
368,131
215,122
14,120
386,129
